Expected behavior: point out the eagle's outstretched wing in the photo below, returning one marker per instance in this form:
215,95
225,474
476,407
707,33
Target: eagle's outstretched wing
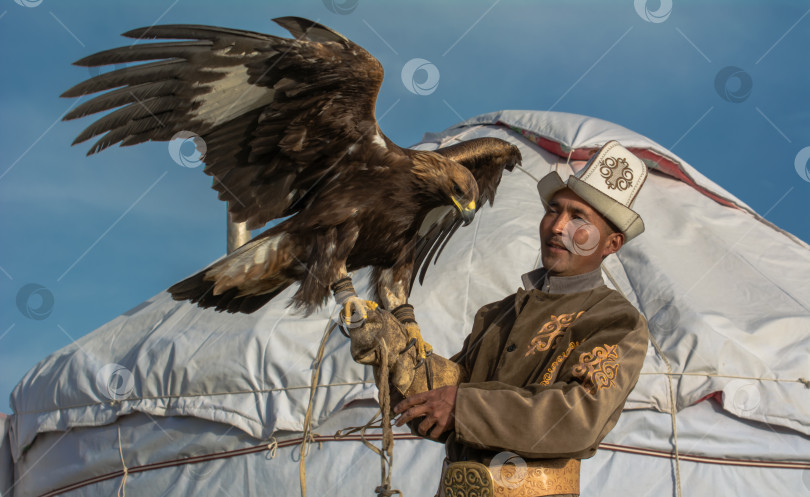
486,158
277,115
289,127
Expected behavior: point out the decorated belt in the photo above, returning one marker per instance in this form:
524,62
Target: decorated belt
524,479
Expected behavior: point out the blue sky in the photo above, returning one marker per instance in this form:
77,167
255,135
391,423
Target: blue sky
99,235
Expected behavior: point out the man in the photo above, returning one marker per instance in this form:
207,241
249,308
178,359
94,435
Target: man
545,372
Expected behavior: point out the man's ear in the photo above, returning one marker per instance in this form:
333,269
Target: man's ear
615,241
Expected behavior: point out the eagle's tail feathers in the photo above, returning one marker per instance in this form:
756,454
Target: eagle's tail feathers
243,281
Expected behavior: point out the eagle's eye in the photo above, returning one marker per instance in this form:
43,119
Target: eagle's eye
457,190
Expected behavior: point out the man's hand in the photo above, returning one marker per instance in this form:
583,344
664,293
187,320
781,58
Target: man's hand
437,406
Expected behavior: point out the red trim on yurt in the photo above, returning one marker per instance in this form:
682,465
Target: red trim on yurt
663,164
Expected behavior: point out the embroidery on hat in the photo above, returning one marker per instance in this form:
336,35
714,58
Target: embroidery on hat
551,332
617,173
554,365
598,368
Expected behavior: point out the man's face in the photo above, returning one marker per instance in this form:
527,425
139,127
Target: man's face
574,238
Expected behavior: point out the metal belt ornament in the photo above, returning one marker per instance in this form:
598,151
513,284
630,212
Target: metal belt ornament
535,479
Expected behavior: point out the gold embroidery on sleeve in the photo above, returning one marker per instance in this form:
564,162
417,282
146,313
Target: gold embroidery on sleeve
551,332
598,368
554,365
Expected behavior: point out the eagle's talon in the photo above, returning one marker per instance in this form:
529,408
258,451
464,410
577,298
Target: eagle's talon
423,349
426,350
353,314
409,345
419,363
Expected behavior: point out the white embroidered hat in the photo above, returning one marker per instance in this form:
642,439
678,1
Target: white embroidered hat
609,183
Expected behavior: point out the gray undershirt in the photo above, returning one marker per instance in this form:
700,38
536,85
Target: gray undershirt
541,280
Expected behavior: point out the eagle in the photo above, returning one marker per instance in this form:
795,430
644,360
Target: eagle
290,133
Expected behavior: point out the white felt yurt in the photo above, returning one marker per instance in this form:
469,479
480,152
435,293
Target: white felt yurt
169,399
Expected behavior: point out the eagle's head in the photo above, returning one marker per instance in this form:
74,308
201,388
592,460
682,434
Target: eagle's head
446,182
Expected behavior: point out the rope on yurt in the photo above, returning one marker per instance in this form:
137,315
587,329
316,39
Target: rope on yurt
308,438
272,447
673,412
672,401
803,381
122,490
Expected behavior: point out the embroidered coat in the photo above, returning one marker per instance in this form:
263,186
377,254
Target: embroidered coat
548,374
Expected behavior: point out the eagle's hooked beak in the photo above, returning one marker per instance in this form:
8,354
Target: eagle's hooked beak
467,212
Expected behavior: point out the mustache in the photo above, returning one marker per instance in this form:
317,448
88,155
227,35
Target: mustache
557,241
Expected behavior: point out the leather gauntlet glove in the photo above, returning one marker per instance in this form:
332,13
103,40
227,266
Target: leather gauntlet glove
407,375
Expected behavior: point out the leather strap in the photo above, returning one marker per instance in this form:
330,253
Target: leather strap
404,313
342,289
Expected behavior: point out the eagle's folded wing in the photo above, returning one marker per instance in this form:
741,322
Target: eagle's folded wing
486,158
278,116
